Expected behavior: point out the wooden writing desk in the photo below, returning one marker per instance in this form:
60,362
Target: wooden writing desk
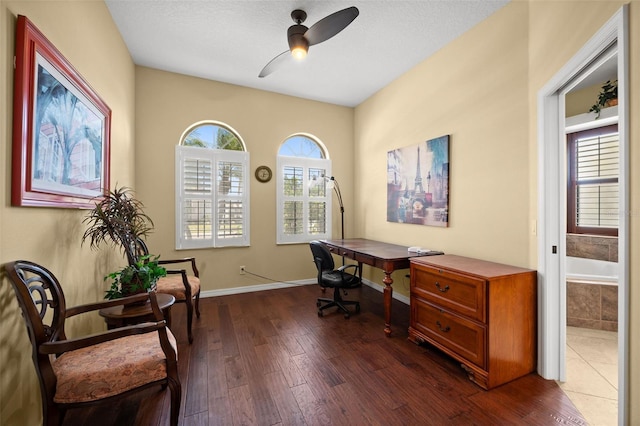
387,257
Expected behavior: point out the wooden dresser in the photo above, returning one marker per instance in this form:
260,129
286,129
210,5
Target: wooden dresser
483,314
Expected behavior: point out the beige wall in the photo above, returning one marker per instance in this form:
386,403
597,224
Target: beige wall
167,104
475,90
86,35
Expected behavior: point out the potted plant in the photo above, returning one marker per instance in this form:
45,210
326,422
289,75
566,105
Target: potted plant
608,97
119,220
138,277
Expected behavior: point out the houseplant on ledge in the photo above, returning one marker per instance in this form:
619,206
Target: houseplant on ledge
119,220
607,97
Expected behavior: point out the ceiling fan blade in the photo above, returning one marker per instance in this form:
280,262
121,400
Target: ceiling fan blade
275,63
331,25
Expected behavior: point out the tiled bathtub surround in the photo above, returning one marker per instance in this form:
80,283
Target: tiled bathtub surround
590,305
592,247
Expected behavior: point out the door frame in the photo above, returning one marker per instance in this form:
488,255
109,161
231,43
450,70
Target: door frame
552,207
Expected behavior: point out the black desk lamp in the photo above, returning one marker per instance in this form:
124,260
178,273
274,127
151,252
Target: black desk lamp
336,188
332,182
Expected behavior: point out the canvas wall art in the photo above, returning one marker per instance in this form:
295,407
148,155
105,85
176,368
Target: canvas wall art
418,183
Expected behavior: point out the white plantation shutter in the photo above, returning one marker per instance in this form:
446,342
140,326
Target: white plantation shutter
195,195
232,199
212,198
593,193
597,171
304,200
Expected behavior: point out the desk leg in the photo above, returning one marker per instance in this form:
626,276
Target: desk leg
388,296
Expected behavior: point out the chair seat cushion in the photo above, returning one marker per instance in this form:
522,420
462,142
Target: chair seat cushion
172,284
110,368
339,279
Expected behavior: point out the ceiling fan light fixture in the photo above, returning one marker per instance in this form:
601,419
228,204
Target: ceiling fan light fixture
299,52
298,44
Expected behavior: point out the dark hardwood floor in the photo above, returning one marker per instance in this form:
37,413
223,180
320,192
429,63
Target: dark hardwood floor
266,358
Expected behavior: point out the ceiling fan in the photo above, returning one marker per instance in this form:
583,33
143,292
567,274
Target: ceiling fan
300,37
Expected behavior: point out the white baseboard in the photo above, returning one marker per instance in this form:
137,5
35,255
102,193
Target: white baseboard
273,286
257,287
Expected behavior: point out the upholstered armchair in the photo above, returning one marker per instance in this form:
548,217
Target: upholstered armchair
182,284
96,368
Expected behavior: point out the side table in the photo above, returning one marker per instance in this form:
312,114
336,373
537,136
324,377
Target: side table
120,316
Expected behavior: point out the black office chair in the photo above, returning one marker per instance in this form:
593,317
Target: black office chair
338,279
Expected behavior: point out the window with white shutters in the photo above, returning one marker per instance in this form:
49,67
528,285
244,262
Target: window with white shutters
304,197
593,191
212,189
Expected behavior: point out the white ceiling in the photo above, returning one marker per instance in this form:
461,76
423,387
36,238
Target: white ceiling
232,40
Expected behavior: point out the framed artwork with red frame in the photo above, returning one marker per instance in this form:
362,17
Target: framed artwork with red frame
61,129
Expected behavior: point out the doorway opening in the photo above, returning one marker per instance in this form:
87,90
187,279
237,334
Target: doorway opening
592,159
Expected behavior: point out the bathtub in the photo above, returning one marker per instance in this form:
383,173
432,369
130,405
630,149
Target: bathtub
592,293
591,271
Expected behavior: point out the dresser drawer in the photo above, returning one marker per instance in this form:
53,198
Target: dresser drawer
461,336
456,292
342,252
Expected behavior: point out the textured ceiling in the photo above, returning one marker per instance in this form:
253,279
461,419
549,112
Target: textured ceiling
232,40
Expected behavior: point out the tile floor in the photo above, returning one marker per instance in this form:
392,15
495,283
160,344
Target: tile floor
592,374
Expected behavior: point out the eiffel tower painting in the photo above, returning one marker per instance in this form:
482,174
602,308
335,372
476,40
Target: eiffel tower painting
418,183
417,186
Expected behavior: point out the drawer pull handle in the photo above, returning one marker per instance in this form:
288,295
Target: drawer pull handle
445,329
443,290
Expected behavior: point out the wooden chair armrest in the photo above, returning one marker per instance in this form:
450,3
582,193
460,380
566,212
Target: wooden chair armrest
191,260
185,280
80,309
182,260
160,325
167,348
62,346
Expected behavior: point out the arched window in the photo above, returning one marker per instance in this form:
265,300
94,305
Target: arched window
214,135
304,198
212,187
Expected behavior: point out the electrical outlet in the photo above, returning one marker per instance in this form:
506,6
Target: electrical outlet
242,270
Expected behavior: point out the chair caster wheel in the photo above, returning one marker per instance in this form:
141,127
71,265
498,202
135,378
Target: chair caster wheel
320,314
347,316
318,304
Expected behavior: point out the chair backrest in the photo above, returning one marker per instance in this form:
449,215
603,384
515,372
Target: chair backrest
321,256
141,248
43,308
